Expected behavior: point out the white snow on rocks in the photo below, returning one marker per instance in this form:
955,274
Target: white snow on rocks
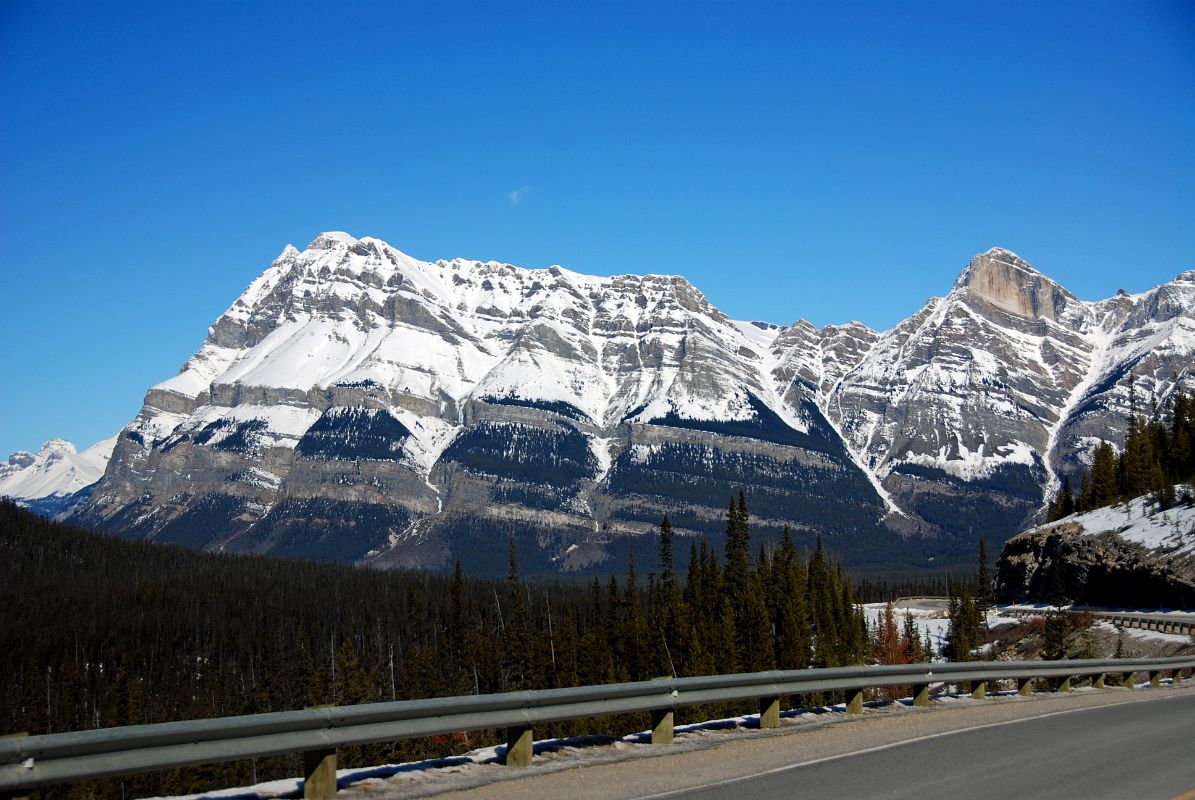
56,470
1169,532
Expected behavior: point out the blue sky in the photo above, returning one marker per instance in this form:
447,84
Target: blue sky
826,161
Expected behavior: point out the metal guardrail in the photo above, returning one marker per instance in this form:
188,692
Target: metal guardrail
33,761
1160,623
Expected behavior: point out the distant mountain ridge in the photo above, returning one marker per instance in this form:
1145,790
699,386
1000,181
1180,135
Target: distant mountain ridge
356,404
50,481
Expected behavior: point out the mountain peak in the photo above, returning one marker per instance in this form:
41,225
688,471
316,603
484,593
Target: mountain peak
330,239
57,445
1002,278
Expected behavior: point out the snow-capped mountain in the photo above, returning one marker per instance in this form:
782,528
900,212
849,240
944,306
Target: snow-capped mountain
51,481
358,404
969,407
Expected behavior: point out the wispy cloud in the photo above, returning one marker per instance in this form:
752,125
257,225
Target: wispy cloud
517,195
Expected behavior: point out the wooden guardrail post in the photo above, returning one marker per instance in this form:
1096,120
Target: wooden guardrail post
769,712
921,694
14,795
979,690
319,771
518,746
319,774
854,703
1024,686
662,725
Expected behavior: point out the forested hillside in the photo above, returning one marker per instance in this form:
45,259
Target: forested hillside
1159,452
100,631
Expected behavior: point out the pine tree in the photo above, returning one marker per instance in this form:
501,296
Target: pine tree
1055,635
1104,489
983,582
822,600
516,638
1067,498
737,575
962,635
791,614
760,651
914,651
888,647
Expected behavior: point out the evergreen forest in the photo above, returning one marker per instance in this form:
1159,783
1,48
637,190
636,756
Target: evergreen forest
99,631
1158,453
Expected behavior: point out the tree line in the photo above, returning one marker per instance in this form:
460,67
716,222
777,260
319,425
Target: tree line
100,631
1158,453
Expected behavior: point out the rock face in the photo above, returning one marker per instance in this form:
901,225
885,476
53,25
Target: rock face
357,404
971,407
1123,556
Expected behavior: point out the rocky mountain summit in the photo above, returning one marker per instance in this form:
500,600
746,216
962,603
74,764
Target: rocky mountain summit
969,408
357,404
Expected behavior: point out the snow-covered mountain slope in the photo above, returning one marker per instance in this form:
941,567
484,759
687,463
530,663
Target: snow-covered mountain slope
1167,532
51,479
351,380
965,410
356,403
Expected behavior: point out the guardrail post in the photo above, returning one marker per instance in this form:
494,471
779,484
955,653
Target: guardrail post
18,795
921,694
1126,680
319,774
769,712
1065,686
1179,675
1155,679
979,690
518,746
319,771
1025,686
1099,681
854,704
661,726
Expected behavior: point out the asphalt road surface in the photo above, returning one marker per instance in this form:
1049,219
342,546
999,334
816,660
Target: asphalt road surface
1112,743
1137,750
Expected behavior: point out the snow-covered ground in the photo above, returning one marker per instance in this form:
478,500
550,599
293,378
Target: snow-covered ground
1171,532
1142,635
928,620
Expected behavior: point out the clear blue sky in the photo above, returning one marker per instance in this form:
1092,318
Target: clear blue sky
827,161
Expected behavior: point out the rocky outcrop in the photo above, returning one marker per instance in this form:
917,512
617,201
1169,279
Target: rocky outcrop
1134,555
1102,570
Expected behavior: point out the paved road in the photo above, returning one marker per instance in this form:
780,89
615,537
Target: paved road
1138,750
922,604
1112,743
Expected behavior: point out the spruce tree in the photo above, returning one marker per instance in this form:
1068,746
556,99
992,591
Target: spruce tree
1104,489
516,637
983,582
1066,498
